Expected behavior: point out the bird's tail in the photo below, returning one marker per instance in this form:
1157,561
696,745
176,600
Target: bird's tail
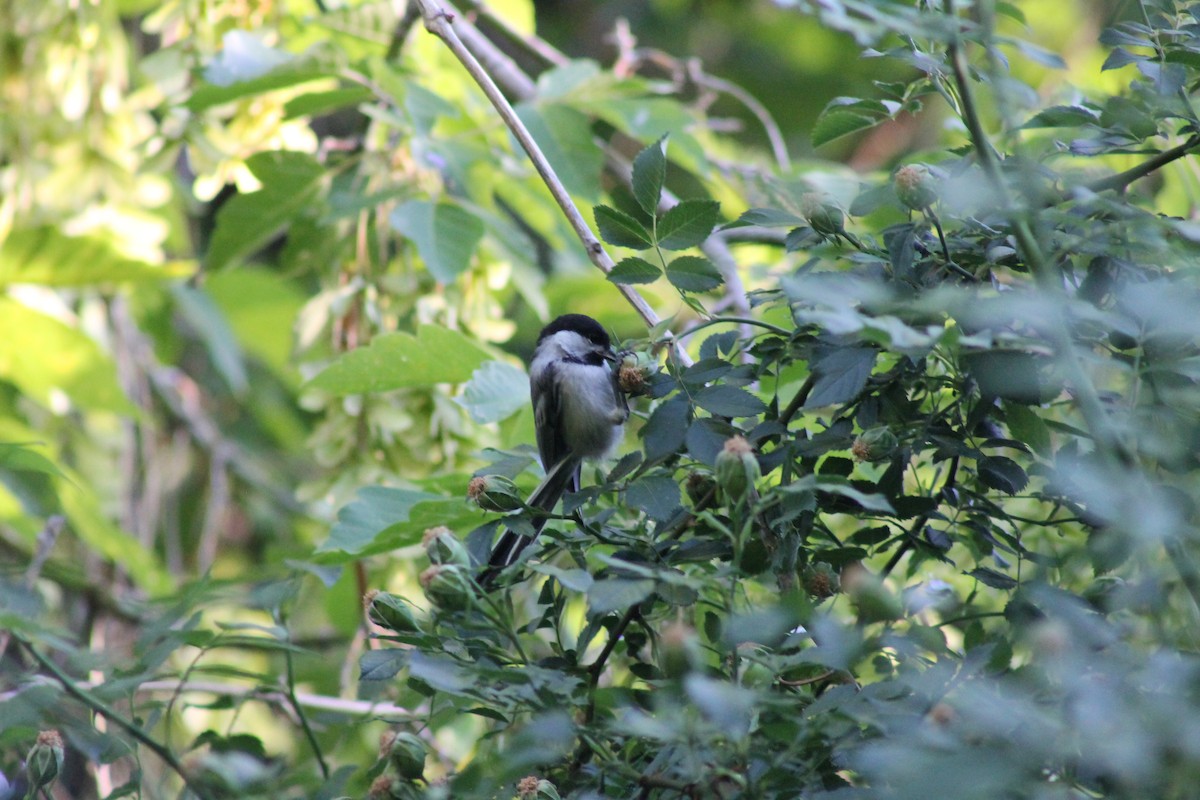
545,497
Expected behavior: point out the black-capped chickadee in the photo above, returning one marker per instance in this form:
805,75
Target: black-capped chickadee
578,412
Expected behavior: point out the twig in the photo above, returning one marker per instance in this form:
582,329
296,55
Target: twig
290,671
106,711
920,522
439,22
1122,179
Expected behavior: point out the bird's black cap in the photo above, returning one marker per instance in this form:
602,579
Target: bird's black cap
582,324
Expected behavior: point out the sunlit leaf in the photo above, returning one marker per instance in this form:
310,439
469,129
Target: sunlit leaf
399,360
445,235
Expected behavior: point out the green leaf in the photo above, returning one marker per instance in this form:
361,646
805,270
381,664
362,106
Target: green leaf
1026,426
565,137
842,373
835,123
261,306
687,224
290,182
729,401
634,270
43,355
1063,117
1004,474
445,235
615,594
649,173
382,518
496,391
664,432
49,257
620,229
992,578
694,274
382,665
657,495
401,360
19,458
766,218
224,350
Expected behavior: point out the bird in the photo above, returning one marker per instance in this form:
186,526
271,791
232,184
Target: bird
579,413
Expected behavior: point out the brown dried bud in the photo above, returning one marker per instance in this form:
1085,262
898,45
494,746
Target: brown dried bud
494,493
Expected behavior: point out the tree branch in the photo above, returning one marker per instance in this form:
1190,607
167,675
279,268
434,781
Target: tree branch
1121,180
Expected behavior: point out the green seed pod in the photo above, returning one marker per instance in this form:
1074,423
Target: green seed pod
389,611
45,759
876,444
448,586
823,215
737,468
443,547
494,493
916,186
406,753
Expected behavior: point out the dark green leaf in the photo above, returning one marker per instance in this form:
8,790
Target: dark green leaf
616,594
1002,473
693,274
842,373
382,665
620,229
657,495
992,578
766,218
835,123
634,270
664,432
649,173
729,401
687,224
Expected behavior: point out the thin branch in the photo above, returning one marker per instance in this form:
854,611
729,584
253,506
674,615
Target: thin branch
1121,180
103,709
45,543
920,522
440,23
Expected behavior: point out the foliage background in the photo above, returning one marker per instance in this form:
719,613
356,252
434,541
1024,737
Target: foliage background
269,272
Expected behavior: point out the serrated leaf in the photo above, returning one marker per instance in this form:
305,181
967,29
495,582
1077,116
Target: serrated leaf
729,401
1063,117
657,495
765,218
649,173
1025,425
445,235
992,578
616,594
1004,474
620,229
694,274
382,518
835,123
634,270
666,429
841,372
382,665
49,257
496,391
687,224
401,360
245,223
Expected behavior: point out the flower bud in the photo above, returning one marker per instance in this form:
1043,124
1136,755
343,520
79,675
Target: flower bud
823,215
448,586
916,186
406,752
45,759
876,444
443,547
737,468
820,581
679,650
389,611
494,493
